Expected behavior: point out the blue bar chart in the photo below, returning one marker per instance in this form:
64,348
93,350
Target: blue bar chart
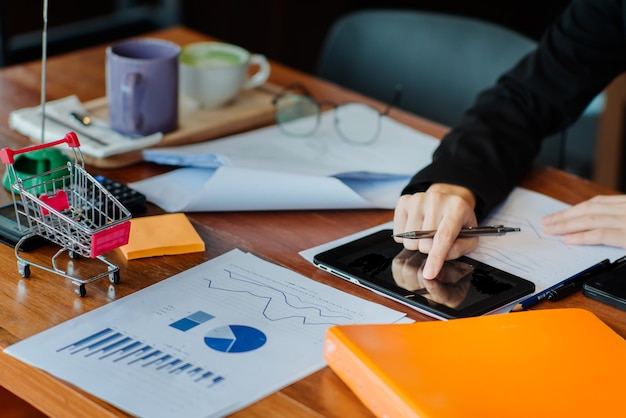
115,347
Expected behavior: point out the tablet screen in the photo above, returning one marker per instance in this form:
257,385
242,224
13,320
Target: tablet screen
465,287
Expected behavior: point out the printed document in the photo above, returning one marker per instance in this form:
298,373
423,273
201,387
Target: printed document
203,343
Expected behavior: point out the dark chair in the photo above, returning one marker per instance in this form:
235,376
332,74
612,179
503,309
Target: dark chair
443,61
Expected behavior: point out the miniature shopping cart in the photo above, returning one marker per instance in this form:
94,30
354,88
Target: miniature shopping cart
68,207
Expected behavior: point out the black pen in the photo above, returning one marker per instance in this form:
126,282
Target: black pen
472,231
565,290
579,277
576,283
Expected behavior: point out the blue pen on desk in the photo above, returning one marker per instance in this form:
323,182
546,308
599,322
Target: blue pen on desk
577,278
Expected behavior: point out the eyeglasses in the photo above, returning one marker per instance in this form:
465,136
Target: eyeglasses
299,114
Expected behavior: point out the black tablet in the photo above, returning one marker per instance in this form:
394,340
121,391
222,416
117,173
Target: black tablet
464,288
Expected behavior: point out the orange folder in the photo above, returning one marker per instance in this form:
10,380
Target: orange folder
542,363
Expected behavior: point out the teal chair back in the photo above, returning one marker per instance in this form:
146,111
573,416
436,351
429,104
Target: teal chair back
442,61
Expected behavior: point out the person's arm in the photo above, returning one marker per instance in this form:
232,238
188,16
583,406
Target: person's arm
494,145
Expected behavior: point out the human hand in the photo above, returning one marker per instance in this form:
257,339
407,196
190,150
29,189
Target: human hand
599,220
445,208
448,288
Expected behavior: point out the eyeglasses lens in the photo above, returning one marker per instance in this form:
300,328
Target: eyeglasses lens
357,122
297,114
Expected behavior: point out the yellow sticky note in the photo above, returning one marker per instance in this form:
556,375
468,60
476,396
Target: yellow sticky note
161,235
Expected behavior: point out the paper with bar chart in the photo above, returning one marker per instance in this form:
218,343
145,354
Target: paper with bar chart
203,343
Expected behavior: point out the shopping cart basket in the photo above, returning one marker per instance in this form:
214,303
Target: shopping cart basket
68,207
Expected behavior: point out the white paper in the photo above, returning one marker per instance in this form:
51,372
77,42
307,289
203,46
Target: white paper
266,169
228,332
234,188
398,150
543,259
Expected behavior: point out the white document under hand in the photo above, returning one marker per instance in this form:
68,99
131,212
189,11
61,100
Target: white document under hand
266,169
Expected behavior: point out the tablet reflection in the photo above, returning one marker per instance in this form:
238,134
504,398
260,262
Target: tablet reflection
449,288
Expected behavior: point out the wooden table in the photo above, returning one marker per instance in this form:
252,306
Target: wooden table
28,306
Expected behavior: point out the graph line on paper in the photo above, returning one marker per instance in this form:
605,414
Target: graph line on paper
280,305
526,254
532,254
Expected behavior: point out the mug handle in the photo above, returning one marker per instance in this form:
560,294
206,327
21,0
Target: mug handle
130,101
262,73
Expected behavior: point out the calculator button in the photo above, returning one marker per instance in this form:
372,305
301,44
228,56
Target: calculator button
132,200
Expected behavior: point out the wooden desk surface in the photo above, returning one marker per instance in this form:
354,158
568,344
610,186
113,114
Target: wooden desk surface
28,306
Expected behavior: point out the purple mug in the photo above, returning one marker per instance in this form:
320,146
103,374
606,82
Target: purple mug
142,86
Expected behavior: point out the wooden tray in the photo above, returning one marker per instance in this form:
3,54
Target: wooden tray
251,109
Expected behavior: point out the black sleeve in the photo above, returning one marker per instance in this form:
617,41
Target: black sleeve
494,145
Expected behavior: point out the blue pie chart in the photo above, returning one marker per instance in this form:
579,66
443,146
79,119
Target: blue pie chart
235,339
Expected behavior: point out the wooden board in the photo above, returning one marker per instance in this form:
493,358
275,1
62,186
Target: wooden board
251,109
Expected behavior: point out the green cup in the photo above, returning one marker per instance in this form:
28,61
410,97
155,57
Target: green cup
212,74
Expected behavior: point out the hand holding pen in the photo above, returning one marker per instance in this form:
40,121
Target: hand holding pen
475,231
444,207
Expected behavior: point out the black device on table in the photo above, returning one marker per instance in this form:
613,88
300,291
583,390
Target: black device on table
609,286
132,200
11,233
465,287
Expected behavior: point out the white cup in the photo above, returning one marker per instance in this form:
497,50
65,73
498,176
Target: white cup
212,74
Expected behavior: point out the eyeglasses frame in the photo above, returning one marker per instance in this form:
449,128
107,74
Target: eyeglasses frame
299,88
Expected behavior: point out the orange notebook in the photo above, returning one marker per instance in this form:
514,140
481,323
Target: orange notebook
548,363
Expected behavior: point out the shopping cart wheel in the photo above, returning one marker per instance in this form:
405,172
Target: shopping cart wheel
81,290
23,269
115,277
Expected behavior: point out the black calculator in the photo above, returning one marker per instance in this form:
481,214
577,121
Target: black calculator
11,232
132,200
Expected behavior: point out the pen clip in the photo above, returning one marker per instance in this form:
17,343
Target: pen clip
485,228
618,262
491,229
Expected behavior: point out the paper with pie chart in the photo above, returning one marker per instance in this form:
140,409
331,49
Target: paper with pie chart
203,343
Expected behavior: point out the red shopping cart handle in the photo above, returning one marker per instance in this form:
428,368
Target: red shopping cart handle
7,154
